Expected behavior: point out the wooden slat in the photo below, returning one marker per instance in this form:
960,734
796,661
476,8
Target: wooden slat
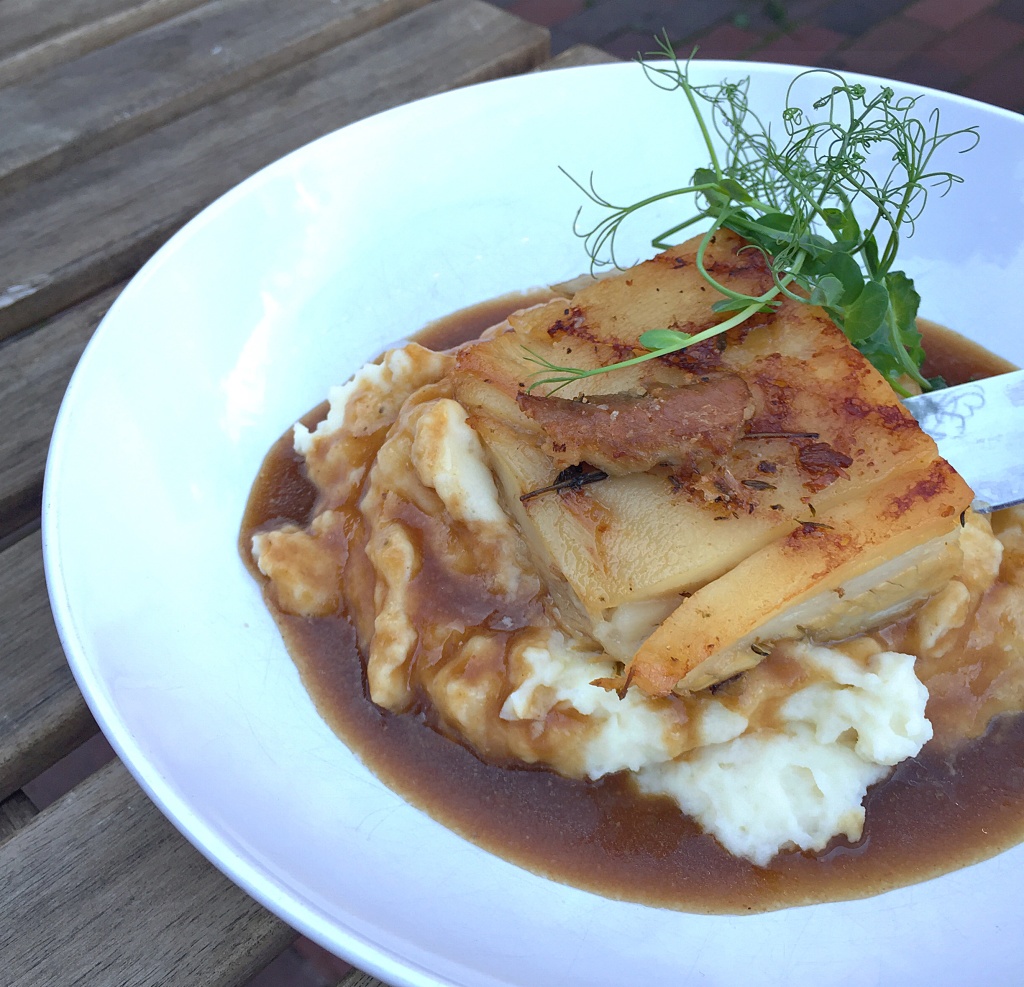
42,714
15,811
356,978
68,236
29,23
108,96
38,36
579,55
34,373
100,889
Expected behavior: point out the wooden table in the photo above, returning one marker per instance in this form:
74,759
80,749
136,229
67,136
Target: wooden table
119,121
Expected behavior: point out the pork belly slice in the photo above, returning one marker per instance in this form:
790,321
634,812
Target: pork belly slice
632,433
625,539
822,431
856,567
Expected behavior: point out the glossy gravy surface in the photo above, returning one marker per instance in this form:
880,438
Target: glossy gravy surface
936,813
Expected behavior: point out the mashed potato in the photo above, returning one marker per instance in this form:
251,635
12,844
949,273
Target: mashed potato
780,758
751,612
797,783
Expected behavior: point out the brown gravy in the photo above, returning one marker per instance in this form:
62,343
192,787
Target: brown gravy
936,813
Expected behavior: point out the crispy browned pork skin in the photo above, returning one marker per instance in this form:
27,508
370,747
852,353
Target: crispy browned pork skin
630,433
826,506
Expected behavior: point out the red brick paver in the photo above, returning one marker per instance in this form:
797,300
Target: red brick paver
631,44
979,43
546,13
1000,83
805,45
946,14
974,47
886,45
727,41
925,69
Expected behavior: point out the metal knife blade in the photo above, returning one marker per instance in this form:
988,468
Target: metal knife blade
979,429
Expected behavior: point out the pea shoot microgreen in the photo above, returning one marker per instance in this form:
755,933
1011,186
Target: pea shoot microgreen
794,192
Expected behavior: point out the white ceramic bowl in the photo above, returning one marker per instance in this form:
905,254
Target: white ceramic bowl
238,326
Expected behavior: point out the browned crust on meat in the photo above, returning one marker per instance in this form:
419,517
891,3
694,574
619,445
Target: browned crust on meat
628,433
826,435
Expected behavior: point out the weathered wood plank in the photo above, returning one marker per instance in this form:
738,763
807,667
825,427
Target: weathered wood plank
37,36
15,811
34,373
101,889
42,714
108,96
66,237
28,23
579,55
356,978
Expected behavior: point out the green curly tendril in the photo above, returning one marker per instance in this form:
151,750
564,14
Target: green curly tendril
793,199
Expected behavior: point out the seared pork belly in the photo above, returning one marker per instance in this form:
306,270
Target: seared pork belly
627,433
764,485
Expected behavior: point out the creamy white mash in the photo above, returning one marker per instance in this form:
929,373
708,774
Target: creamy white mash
781,759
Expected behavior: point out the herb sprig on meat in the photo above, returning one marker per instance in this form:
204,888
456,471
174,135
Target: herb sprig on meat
794,193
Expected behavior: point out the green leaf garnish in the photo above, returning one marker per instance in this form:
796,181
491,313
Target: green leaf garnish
795,192
866,314
828,292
